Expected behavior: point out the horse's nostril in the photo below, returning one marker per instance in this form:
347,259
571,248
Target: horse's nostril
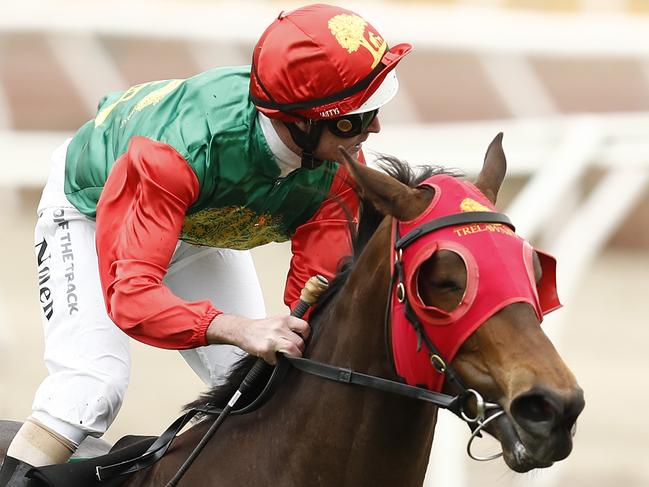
532,409
540,411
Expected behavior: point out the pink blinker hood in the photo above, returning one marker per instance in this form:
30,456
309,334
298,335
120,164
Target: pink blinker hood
500,271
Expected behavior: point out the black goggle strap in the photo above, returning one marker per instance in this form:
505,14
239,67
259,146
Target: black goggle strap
307,141
272,103
290,107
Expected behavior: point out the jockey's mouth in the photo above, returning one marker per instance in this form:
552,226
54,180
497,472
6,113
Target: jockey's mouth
359,144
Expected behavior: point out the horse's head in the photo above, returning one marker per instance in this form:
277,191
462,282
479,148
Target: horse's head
475,294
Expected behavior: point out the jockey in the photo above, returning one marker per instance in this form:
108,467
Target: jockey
150,210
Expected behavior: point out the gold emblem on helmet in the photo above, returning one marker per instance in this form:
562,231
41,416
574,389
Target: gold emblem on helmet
349,31
469,204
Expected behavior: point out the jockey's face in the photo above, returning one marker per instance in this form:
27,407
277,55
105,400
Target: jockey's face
329,142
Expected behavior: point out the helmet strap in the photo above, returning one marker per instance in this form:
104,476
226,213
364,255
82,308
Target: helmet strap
307,141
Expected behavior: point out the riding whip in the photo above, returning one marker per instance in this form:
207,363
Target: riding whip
315,286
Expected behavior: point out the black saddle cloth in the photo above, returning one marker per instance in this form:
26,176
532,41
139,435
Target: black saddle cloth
82,472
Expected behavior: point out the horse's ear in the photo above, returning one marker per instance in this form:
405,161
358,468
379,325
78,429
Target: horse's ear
493,170
388,195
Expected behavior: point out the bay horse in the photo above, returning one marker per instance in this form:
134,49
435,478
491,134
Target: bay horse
318,433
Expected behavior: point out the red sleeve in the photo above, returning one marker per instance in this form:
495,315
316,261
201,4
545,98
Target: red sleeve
139,218
319,244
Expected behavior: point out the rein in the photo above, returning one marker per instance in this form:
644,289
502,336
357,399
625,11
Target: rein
455,404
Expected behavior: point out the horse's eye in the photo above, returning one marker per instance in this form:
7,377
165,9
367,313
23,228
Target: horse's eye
446,285
441,280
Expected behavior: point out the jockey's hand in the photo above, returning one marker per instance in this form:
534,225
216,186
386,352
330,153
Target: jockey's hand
262,337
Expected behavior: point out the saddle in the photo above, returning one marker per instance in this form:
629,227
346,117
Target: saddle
83,472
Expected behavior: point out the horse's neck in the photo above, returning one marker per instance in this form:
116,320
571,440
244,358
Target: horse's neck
401,429
353,329
333,434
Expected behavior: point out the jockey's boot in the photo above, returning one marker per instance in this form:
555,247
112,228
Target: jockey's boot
13,473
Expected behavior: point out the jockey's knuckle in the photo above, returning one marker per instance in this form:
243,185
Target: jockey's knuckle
278,324
297,321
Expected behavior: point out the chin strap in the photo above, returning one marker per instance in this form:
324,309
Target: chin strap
307,141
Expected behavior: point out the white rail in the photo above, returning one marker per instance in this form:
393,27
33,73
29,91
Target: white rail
530,144
620,140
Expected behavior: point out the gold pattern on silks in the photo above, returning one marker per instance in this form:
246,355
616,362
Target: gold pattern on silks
469,204
233,227
154,97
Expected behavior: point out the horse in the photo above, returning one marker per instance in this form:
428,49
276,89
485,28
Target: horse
321,433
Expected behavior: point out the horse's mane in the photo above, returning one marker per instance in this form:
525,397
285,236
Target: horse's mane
370,218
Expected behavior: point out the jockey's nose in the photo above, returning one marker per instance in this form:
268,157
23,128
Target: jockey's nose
375,126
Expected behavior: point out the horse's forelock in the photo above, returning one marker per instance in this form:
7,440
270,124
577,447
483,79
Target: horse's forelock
411,175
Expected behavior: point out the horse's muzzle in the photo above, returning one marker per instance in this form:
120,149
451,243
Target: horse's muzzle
539,428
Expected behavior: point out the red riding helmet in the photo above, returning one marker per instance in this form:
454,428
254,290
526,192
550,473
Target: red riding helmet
322,61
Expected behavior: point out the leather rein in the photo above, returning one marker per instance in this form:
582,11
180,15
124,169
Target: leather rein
485,412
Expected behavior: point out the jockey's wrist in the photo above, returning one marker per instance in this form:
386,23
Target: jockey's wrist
224,329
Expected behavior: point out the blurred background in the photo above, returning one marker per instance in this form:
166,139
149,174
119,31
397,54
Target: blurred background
566,80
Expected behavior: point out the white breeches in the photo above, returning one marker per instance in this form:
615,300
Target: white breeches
86,354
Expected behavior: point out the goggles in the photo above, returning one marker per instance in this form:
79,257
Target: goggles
351,125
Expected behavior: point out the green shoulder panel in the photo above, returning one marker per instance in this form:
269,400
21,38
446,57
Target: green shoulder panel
211,122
